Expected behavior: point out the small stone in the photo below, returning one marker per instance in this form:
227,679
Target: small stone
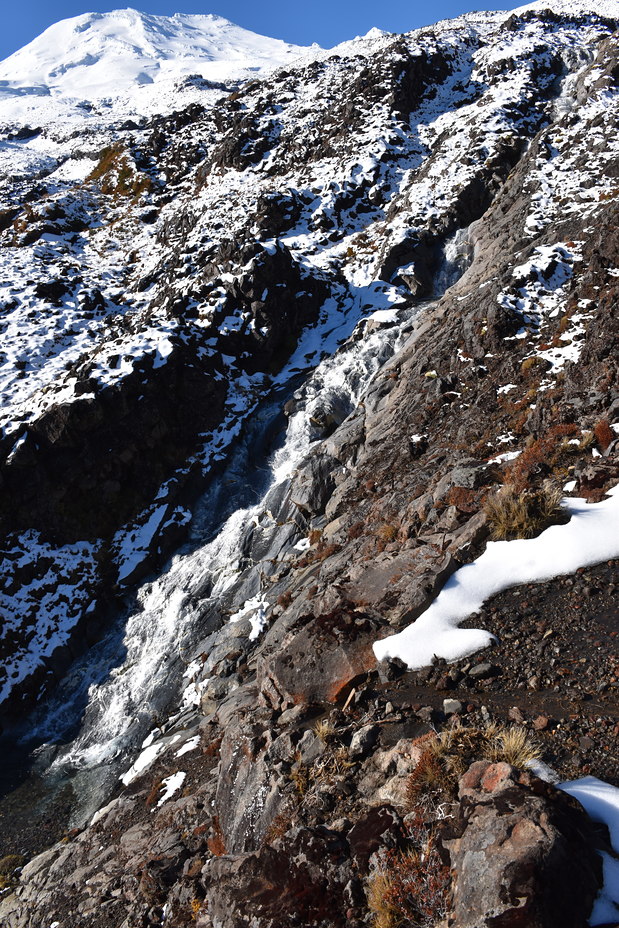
423,675
540,723
515,715
290,716
452,706
585,743
481,671
533,683
310,747
363,740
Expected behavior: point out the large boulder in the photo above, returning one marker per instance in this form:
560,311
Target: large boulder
523,854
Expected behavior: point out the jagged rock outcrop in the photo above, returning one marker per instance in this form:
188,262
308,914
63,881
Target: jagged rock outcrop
522,853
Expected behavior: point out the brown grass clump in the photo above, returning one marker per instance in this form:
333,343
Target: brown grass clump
356,530
463,499
117,175
412,887
216,843
284,599
449,755
279,826
524,514
388,532
10,867
604,434
543,456
300,776
154,792
534,367
324,730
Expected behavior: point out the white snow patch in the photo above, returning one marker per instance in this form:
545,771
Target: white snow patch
303,545
189,746
133,543
506,456
256,610
543,771
145,759
601,802
384,316
589,537
171,785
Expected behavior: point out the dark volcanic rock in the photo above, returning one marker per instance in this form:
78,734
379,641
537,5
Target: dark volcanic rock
522,853
89,465
301,878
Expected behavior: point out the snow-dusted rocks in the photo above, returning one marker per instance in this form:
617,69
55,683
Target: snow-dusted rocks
171,261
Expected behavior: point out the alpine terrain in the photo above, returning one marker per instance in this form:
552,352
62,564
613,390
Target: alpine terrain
309,475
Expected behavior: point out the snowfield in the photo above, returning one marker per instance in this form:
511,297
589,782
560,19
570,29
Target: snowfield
130,61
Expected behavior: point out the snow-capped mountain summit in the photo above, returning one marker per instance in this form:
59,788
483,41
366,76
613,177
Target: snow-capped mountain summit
126,54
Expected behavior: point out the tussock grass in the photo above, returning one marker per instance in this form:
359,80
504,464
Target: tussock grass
324,730
524,514
448,756
380,888
410,888
513,746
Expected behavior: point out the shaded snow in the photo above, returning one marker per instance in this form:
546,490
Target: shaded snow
189,746
143,761
44,592
256,610
601,802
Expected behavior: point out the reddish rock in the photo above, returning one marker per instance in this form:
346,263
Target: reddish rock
316,663
523,854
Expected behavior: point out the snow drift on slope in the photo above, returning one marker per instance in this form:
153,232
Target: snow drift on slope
588,538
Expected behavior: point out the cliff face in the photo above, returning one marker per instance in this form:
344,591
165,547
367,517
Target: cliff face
197,275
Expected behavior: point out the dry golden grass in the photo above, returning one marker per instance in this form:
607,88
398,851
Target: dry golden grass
380,888
411,887
324,730
523,514
300,778
513,746
333,764
449,755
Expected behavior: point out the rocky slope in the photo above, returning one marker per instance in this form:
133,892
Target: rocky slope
170,284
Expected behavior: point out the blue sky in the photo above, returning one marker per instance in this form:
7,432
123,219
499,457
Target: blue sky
324,21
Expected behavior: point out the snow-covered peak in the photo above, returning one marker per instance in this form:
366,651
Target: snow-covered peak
107,55
574,7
